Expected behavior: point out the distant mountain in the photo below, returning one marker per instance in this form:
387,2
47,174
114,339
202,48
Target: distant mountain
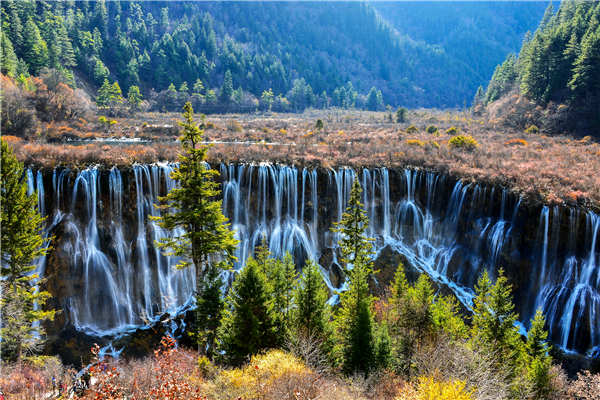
417,54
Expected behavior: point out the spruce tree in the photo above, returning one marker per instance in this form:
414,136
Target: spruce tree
134,98
493,322
282,279
227,88
22,243
354,320
8,58
539,360
35,49
209,307
311,313
193,206
248,325
104,93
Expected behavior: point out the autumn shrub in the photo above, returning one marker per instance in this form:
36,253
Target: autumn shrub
273,375
532,129
516,142
586,386
412,129
415,142
234,126
452,131
466,142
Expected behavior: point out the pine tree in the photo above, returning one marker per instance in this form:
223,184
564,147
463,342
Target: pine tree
210,304
247,326
193,206
282,279
311,314
103,95
539,360
586,69
134,98
354,320
227,88
22,243
35,50
493,327
8,58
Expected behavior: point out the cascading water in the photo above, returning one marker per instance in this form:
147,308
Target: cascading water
451,230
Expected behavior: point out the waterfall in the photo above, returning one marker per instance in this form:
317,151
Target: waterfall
450,229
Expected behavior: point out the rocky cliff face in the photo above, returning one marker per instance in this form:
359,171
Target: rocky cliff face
108,278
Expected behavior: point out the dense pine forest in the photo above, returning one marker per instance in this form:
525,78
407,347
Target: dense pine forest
289,56
557,68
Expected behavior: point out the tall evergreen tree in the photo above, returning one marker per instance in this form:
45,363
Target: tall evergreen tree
539,359
35,49
354,320
8,58
134,97
493,327
248,325
311,312
210,305
227,88
193,206
22,243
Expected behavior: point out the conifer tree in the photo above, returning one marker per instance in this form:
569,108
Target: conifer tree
134,97
8,58
539,360
247,325
35,49
209,307
311,314
193,206
282,279
22,243
354,320
227,88
493,327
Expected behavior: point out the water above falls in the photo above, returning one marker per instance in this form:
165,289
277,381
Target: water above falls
108,276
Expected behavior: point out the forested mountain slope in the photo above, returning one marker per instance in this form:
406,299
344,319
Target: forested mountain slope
272,46
557,71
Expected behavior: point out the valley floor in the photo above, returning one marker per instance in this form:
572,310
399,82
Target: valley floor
553,169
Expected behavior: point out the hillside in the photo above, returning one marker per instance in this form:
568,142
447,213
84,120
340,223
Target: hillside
272,46
553,83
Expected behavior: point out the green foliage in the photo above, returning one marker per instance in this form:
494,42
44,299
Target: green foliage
354,320
532,130
8,61
401,115
374,100
466,142
539,360
311,313
559,63
266,99
227,88
248,324
452,130
192,206
22,243
411,129
134,98
319,124
432,129
503,79
281,279
209,307
493,326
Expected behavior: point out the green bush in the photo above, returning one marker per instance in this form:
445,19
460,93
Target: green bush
452,131
466,142
432,129
532,130
401,114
